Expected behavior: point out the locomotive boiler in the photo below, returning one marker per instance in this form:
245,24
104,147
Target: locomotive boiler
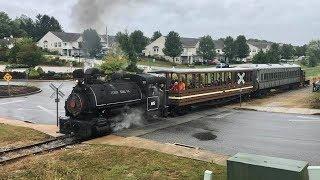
93,102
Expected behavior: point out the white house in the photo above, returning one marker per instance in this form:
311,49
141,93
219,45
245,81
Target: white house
69,44
189,54
255,46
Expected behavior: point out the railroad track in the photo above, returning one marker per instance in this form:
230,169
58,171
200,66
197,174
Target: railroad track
13,154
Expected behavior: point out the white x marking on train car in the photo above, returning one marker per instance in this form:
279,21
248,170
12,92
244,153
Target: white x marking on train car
241,78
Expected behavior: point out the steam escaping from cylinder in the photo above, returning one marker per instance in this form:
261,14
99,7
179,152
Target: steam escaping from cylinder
130,118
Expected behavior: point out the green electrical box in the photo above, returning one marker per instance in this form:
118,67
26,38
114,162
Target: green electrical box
254,167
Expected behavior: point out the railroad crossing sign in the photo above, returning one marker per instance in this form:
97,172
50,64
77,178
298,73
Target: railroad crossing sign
57,93
241,78
7,77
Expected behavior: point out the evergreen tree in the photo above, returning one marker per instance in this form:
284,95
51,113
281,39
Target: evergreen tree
274,54
241,47
313,53
91,43
260,58
139,41
173,46
206,48
229,49
287,51
156,35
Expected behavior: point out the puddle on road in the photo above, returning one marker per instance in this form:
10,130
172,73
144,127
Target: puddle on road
205,136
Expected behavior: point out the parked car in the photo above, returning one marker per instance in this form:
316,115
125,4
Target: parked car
213,62
222,65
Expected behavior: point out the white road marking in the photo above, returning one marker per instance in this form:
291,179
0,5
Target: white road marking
46,110
306,117
12,102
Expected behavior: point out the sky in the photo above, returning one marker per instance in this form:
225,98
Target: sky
286,21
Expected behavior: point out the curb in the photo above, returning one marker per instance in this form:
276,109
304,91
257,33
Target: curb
21,95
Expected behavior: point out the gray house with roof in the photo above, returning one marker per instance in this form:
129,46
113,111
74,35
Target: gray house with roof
69,44
189,54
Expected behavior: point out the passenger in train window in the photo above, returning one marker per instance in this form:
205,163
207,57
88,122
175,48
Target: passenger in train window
181,86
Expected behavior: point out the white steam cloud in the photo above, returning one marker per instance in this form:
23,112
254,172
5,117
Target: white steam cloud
131,118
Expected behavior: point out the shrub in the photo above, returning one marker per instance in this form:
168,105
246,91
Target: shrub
33,74
113,62
16,66
40,71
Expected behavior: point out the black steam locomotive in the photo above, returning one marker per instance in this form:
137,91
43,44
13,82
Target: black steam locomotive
93,103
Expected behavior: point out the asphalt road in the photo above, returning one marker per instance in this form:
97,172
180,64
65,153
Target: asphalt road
229,132
38,108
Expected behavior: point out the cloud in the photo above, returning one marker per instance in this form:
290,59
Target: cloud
282,21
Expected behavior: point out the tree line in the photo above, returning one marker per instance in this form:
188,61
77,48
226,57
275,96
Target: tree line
25,26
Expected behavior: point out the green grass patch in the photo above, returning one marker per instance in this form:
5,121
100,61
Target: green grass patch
14,135
312,71
109,162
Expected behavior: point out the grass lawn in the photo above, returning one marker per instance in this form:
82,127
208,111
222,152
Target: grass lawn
15,136
312,71
101,162
149,62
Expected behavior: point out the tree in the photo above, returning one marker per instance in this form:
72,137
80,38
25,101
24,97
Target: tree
113,63
27,52
206,48
274,54
5,25
229,48
127,47
287,51
4,52
260,58
44,24
27,25
173,46
301,50
241,47
156,35
91,43
313,53
139,41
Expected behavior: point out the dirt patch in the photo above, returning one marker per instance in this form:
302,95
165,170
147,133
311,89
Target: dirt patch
205,136
17,90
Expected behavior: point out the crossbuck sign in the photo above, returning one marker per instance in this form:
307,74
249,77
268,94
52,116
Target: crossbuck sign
241,78
57,94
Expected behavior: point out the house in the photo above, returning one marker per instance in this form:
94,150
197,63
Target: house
189,54
69,44
8,42
257,45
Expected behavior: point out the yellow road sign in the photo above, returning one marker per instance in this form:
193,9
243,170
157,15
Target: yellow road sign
7,77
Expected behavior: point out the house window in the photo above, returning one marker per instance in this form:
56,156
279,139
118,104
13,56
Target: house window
59,44
55,44
156,49
45,44
65,44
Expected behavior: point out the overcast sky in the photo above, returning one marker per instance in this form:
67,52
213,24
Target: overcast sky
289,21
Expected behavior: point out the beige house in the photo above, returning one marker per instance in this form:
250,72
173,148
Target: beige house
189,54
69,44
255,46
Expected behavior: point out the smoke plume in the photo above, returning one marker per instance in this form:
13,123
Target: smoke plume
97,13
128,119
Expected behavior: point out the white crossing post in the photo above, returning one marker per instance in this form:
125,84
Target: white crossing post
208,175
241,82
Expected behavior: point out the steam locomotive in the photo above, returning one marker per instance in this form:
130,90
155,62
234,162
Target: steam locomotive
93,103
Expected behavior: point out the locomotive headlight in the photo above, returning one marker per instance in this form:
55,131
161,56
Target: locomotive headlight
74,104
